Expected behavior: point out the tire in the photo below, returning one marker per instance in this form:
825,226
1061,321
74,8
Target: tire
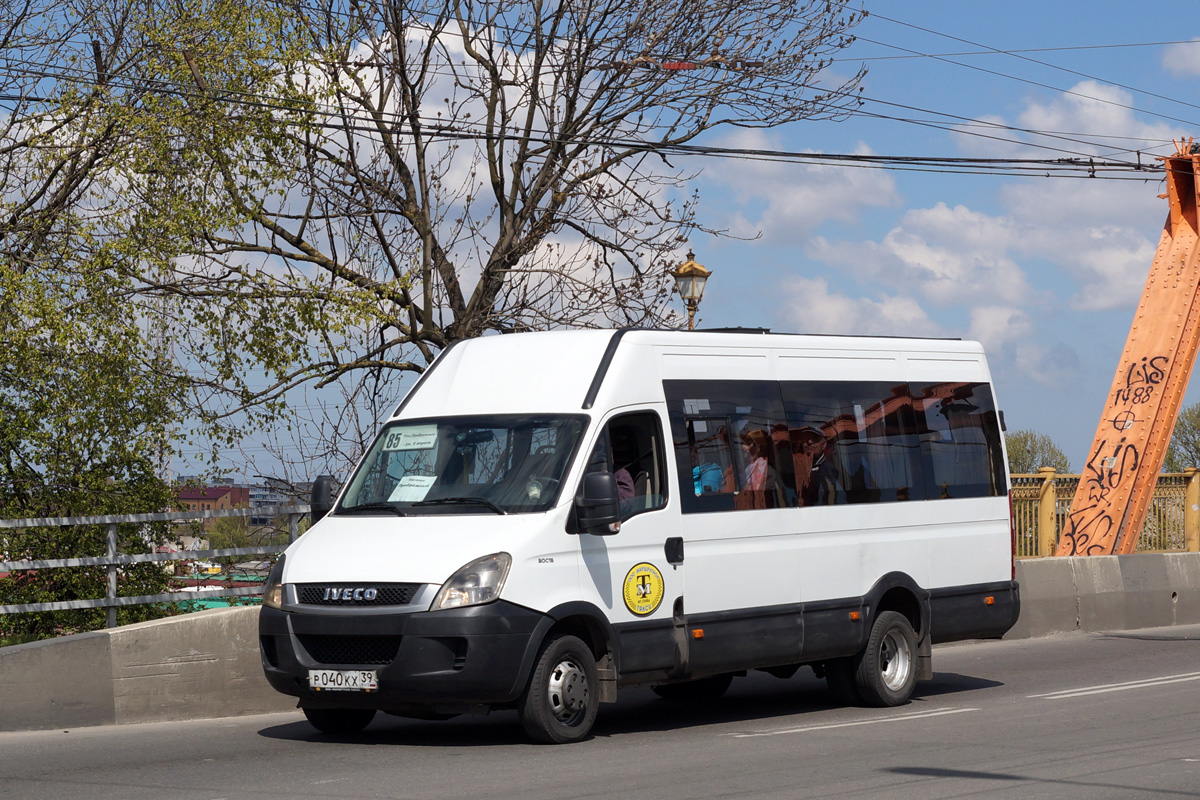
695,691
340,720
886,670
839,675
559,705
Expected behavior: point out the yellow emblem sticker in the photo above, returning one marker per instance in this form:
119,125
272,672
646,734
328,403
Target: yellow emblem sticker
644,589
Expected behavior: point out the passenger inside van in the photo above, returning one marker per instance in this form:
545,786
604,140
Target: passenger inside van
816,473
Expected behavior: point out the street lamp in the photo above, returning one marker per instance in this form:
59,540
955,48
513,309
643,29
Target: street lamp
689,281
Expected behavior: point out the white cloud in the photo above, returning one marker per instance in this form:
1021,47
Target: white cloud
1102,234
951,256
785,202
996,326
808,306
1088,119
1182,59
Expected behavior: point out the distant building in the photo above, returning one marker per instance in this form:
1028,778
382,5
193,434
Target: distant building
265,497
213,498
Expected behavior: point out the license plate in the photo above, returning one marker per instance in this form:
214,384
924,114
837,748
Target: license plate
343,680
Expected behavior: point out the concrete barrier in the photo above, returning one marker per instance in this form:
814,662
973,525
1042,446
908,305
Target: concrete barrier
1107,593
193,666
207,664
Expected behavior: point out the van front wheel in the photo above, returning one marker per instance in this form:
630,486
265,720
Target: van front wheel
887,669
562,698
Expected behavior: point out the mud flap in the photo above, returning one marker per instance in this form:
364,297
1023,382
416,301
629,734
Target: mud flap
608,679
925,659
679,634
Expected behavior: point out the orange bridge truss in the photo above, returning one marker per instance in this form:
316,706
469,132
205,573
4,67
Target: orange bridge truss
1123,462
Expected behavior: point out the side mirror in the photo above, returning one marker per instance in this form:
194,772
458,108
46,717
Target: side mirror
321,501
597,508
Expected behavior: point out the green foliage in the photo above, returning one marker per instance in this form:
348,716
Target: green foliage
1184,450
1028,450
85,419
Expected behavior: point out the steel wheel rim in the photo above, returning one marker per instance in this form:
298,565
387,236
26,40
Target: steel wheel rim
567,692
895,660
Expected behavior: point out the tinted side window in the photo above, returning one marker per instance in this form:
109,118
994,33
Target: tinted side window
853,442
960,439
731,444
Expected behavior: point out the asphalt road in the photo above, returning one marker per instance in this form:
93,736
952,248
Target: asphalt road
1079,716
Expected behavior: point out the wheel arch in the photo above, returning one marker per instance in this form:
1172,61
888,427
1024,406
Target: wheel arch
585,621
575,618
897,591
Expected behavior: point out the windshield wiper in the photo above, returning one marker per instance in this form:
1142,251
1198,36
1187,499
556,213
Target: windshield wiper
377,506
450,501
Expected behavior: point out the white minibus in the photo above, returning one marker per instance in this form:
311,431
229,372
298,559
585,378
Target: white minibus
550,517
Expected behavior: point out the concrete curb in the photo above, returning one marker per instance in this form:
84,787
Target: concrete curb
207,664
193,666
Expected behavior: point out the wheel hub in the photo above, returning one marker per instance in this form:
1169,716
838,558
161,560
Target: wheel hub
895,660
567,691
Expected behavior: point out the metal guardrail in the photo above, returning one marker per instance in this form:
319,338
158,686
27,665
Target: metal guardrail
112,560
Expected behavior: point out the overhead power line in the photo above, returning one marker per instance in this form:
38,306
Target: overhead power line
991,51
1074,163
1019,55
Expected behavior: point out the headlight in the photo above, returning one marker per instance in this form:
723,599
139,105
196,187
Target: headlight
477,582
273,590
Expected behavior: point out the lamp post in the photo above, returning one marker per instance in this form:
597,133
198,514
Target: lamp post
690,278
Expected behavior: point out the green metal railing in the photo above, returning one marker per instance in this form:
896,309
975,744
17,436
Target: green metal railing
1042,501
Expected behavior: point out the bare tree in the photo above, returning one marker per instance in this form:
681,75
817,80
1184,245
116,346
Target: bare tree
460,168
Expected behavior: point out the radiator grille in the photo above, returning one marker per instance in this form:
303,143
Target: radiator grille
350,649
387,594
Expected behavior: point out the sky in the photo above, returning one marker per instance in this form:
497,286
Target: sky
1045,272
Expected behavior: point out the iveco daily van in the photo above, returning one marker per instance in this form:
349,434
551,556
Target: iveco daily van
550,517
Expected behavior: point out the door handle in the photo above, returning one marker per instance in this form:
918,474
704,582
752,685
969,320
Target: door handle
674,550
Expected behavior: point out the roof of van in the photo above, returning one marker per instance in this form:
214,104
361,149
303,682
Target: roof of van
564,371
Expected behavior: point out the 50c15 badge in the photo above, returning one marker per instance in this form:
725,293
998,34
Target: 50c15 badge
644,588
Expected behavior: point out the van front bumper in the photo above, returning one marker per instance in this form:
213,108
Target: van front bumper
434,662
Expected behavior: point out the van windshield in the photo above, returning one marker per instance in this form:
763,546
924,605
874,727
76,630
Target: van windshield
477,465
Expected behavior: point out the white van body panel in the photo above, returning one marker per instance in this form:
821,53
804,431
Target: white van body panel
512,374
751,587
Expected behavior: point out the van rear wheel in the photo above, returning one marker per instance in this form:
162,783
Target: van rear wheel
886,670
561,701
340,720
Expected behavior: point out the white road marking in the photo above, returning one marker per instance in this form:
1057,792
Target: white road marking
1083,691
874,721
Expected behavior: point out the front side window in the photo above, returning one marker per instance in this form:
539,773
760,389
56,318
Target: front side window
503,464
631,447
